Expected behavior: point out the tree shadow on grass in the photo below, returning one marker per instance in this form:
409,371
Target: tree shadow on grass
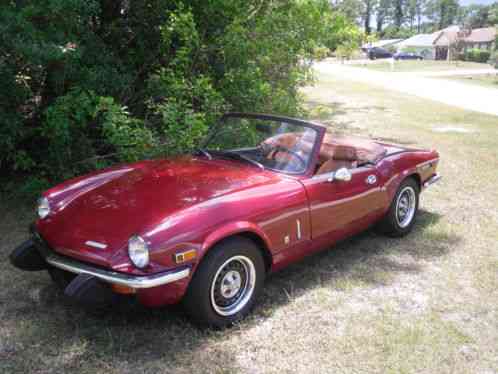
129,337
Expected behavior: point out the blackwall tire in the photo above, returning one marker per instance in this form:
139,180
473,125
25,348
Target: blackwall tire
227,283
402,213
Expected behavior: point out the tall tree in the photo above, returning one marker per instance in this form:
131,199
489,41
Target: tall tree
420,7
493,15
352,9
414,13
368,8
411,11
442,13
478,15
398,13
383,11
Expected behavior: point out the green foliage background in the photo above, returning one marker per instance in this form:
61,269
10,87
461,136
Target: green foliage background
90,82
476,55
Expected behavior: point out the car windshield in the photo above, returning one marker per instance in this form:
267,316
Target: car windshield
267,143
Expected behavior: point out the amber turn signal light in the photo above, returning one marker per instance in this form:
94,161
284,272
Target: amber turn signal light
185,256
123,290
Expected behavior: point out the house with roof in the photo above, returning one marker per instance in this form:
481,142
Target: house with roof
482,38
422,44
437,46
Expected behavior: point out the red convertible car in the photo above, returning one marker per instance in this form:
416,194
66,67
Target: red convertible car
207,228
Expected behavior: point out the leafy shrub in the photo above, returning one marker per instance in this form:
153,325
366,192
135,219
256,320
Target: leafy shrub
321,53
32,187
344,38
86,83
494,59
476,55
81,123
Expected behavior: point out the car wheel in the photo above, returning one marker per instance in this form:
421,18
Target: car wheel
400,218
226,284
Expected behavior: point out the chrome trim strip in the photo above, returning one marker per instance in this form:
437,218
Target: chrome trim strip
298,223
133,281
432,180
94,244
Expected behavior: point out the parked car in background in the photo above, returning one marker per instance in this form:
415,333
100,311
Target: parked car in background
407,56
207,228
376,52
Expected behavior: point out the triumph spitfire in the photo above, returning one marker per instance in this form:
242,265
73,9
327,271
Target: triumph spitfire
207,228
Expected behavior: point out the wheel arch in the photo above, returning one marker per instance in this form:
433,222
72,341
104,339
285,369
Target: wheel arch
416,177
393,188
244,230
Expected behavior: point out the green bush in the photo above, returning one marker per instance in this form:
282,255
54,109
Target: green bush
87,83
321,53
494,59
476,55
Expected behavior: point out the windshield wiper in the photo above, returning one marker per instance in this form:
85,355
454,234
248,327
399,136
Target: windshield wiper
204,152
238,156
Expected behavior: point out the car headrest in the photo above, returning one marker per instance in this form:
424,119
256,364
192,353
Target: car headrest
344,153
287,140
303,142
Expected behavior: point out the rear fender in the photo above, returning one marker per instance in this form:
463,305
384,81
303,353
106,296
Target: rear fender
421,172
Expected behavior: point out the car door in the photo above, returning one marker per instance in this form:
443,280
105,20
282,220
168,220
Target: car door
341,208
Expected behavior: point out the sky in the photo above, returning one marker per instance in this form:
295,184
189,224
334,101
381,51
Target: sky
483,2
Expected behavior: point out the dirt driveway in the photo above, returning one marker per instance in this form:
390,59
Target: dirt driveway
461,95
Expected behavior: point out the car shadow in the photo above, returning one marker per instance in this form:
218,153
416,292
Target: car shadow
365,259
140,337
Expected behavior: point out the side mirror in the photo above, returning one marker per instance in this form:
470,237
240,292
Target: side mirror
342,174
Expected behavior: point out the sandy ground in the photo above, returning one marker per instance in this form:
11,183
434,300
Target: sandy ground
457,94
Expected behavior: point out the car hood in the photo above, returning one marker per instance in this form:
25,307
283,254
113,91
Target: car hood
109,207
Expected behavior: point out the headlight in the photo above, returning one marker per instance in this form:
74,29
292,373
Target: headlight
138,250
43,207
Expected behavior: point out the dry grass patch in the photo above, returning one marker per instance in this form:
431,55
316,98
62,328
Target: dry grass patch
426,303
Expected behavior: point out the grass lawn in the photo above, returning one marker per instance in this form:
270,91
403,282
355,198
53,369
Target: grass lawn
421,66
486,80
426,303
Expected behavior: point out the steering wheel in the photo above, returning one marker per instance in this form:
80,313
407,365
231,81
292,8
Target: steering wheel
281,148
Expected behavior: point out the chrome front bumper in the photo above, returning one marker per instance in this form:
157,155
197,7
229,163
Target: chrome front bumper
432,180
133,281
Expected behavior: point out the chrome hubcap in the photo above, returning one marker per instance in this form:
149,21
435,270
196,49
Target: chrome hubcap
405,207
233,285
230,284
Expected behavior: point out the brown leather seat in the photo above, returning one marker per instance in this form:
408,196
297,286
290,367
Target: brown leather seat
343,157
297,142
367,151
